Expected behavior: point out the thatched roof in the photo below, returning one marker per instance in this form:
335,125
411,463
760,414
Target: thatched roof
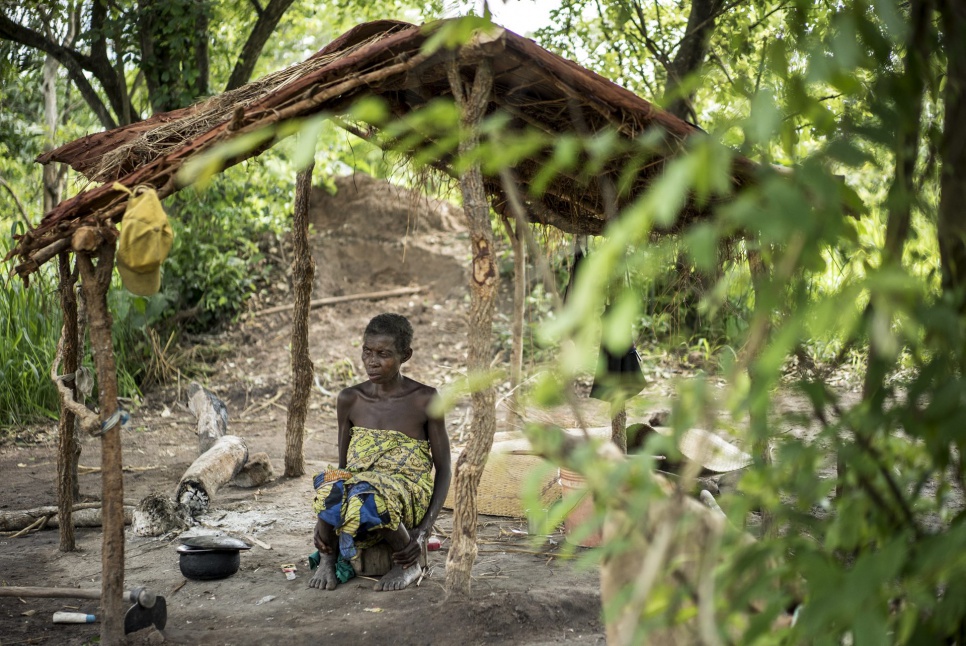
536,88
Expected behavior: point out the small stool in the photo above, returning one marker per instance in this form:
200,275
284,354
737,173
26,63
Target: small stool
377,560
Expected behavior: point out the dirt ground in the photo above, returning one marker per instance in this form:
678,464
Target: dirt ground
368,237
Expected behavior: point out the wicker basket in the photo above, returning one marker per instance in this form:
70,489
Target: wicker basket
501,486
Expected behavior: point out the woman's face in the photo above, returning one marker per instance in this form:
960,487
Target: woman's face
381,358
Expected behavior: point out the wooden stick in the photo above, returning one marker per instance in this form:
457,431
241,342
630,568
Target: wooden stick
128,469
50,593
332,300
89,421
35,525
255,408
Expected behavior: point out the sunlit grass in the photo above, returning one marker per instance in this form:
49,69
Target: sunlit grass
30,326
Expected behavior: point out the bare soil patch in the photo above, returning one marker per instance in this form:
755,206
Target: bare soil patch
370,236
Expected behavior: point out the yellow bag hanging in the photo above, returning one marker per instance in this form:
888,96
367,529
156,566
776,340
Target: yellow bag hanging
145,241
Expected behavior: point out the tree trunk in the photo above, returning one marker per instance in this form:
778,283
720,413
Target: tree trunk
174,56
51,172
264,28
952,225
303,271
201,61
96,281
901,192
689,57
483,283
68,447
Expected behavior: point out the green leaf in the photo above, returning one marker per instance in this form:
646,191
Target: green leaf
308,139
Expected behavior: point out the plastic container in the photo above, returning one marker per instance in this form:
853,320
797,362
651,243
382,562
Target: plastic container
582,513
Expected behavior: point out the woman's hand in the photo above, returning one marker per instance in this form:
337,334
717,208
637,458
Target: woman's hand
409,555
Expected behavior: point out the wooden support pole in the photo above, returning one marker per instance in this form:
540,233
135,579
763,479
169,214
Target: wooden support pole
618,427
758,409
303,271
68,447
519,312
472,102
95,281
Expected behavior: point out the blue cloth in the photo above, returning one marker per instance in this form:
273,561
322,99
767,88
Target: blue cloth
369,516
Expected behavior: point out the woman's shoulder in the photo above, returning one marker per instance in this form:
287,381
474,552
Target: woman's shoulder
419,389
349,394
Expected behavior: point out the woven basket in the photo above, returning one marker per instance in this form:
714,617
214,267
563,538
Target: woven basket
501,486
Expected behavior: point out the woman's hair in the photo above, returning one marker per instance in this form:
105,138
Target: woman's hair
395,325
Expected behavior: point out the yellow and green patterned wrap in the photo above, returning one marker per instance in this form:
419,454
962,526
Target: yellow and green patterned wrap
389,482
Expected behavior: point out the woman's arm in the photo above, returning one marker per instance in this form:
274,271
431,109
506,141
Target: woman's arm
439,448
343,405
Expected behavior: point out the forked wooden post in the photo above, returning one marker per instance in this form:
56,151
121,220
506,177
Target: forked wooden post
68,450
95,281
483,284
303,271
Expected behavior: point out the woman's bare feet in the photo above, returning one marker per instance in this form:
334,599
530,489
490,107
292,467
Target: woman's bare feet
324,577
398,578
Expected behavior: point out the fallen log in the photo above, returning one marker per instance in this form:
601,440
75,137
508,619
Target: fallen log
86,514
212,416
213,469
91,517
332,300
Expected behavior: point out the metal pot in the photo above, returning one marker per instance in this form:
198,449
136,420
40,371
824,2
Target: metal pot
207,564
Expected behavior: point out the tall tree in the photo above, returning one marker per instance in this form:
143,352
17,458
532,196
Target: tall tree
952,227
162,43
659,50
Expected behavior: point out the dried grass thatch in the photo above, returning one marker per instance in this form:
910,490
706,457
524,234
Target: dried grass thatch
535,88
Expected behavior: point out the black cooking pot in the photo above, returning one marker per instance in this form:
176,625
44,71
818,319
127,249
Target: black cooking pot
204,560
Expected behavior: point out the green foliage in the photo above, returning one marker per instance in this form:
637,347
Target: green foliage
30,326
29,330
872,553
867,560
221,234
